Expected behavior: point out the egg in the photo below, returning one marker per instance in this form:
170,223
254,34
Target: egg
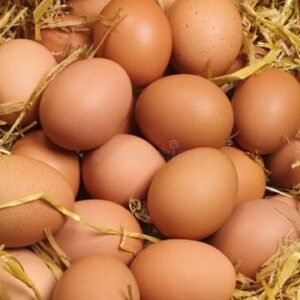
181,112
97,277
266,109
293,202
251,175
36,269
252,234
79,241
24,63
36,145
82,108
141,42
183,269
87,7
21,176
121,169
193,194
207,36
167,4
61,42
280,164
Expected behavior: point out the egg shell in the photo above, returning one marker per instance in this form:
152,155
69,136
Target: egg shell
207,36
293,202
35,269
23,225
183,269
252,234
266,109
95,95
79,241
87,7
121,169
24,63
193,194
141,42
251,175
168,4
37,146
96,277
61,42
180,112
280,164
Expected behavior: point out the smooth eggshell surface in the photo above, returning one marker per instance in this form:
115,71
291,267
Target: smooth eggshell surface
96,277
252,234
121,169
251,175
86,104
25,63
36,145
181,270
78,240
37,271
20,176
266,111
141,42
193,194
180,112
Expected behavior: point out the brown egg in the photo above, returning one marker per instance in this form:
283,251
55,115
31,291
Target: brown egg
21,176
281,162
207,36
141,42
183,269
25,63
121,169
35,269
78,240
237,64
36,145
266,108
64,41
82,108
87,7
251,175
181,112
251,235
97,277
193,194
293,202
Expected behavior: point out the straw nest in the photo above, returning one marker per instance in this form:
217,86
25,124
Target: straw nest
272,25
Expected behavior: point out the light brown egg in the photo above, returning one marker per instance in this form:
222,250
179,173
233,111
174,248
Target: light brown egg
61,42
280,164
141,42
87,7
21,176
35,269
36,145
193,194
207,36
293,202
183,269
25,63
251,175
251,235
266,109
181,112
97,277
78,240
86,104
121,169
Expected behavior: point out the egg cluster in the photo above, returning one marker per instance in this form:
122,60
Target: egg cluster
142,119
